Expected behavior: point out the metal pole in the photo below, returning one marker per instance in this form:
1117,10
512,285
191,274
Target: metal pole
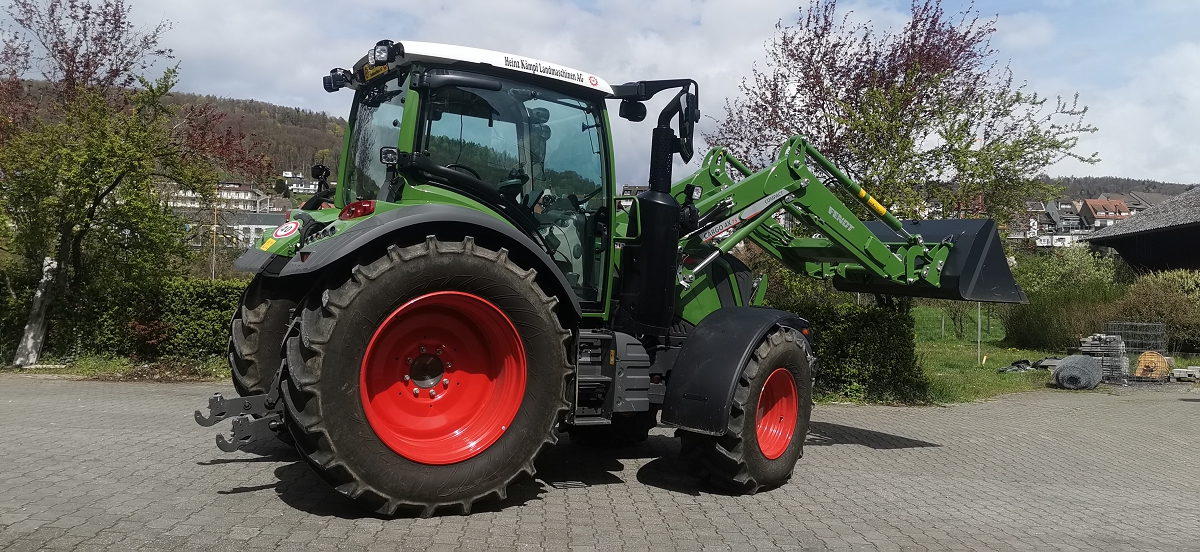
978,334
217,190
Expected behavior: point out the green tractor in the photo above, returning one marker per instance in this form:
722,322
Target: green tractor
474,283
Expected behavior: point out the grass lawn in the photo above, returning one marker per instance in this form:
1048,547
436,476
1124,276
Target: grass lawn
123,369
952,365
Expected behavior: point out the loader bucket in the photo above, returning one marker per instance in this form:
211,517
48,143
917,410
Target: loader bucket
976,269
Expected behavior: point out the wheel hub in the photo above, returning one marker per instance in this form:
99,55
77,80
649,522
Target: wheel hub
443,377
427,371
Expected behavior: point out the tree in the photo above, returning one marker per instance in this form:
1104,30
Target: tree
80,173
84,193
918,116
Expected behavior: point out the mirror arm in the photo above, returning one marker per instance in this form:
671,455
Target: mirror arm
671,110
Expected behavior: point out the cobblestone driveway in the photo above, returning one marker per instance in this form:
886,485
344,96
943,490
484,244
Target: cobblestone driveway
86,465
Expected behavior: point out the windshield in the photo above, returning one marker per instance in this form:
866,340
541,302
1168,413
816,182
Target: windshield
374,124
521,138
539,148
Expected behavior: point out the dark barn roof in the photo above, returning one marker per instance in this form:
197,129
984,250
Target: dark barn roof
1163,237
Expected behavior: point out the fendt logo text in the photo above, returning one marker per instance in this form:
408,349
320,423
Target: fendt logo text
841,219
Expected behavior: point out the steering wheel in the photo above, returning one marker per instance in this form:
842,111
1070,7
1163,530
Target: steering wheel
465,168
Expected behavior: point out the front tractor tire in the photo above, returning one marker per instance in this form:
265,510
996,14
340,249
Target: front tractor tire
768,420
430,377
256,335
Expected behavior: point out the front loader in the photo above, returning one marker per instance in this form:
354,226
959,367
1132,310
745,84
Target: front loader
479,287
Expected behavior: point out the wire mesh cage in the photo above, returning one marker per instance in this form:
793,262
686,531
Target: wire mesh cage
1138,338
1110,351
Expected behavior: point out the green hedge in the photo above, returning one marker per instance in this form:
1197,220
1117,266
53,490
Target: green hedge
865,352
195,316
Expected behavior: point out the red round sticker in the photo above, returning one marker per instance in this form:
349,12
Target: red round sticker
594,81
287,229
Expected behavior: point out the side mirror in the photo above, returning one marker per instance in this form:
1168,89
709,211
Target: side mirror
632,110
689,115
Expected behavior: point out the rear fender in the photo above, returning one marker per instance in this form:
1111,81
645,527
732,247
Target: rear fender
706,371
412,224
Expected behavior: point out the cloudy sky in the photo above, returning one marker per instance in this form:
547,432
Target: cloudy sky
1135,63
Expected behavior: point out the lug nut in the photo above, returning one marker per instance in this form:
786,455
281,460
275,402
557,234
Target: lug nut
432,393
422,349
447,365
439,352
416,392
407,377
446,382
410,360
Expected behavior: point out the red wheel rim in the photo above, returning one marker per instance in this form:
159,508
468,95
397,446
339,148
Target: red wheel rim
443,377
778,407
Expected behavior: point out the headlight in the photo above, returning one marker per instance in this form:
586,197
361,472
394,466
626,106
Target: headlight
381,54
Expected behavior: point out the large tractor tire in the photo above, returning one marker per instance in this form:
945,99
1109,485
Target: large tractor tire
430,377
256,335
768,420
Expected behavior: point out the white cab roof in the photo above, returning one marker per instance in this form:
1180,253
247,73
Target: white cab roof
447,53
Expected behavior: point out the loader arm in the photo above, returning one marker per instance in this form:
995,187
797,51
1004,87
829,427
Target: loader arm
885,256
846,246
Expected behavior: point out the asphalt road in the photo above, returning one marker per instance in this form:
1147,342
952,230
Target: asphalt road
92,465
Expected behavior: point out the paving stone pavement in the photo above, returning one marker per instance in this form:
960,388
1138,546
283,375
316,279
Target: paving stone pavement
94,465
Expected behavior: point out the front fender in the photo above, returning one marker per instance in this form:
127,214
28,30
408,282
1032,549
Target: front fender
706,371
413,223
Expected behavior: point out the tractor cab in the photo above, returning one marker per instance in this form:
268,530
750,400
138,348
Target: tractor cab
529,147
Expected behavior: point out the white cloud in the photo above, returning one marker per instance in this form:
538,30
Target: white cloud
278,51
1142,97
1148,126
1023,32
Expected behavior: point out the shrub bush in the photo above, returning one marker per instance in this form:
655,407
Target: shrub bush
195,316
1070,293
1171,298
865,352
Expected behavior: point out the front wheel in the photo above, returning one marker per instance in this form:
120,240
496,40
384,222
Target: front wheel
768,420
429,377
256,334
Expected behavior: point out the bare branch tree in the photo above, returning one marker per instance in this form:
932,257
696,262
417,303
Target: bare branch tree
918,115
83,44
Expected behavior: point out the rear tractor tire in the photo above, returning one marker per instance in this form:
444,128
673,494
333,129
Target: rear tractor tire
429,377
768,420
256,335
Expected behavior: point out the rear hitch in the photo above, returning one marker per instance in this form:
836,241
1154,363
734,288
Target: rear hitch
254,417
247,429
